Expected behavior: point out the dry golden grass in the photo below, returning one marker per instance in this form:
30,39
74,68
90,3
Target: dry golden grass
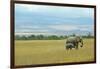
35,52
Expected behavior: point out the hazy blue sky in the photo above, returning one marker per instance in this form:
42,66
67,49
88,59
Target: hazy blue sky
53,19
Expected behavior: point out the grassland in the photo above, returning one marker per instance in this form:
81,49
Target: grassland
35,52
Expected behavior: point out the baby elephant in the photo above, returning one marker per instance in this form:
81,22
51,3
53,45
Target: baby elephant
69,46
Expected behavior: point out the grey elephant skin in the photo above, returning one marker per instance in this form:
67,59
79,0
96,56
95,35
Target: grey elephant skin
73,42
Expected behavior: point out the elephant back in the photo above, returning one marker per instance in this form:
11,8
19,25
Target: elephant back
71,39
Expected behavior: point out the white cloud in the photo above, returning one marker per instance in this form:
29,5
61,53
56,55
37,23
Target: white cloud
37,8
31,30
31,33
55,10
72,27
28,7
52,28
64,27
29,27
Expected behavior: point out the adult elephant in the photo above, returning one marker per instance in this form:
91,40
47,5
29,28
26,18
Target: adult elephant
74,40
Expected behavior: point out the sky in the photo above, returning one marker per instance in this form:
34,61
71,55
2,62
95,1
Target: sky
53,20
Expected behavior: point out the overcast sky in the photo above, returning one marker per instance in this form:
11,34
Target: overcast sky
39,19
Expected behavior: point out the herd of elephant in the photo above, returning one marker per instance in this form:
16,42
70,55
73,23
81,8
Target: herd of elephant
74,42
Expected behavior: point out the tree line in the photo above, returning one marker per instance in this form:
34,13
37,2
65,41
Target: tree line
39,37
43,37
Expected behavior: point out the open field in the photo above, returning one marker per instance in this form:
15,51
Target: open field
35,52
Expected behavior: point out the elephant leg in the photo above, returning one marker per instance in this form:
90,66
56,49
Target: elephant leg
70,48
76,45
67,48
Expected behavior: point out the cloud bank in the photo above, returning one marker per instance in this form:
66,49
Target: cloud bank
53,19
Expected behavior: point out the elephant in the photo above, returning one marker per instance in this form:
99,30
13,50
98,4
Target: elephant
74,42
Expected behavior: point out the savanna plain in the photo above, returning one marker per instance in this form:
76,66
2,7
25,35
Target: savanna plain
34,52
